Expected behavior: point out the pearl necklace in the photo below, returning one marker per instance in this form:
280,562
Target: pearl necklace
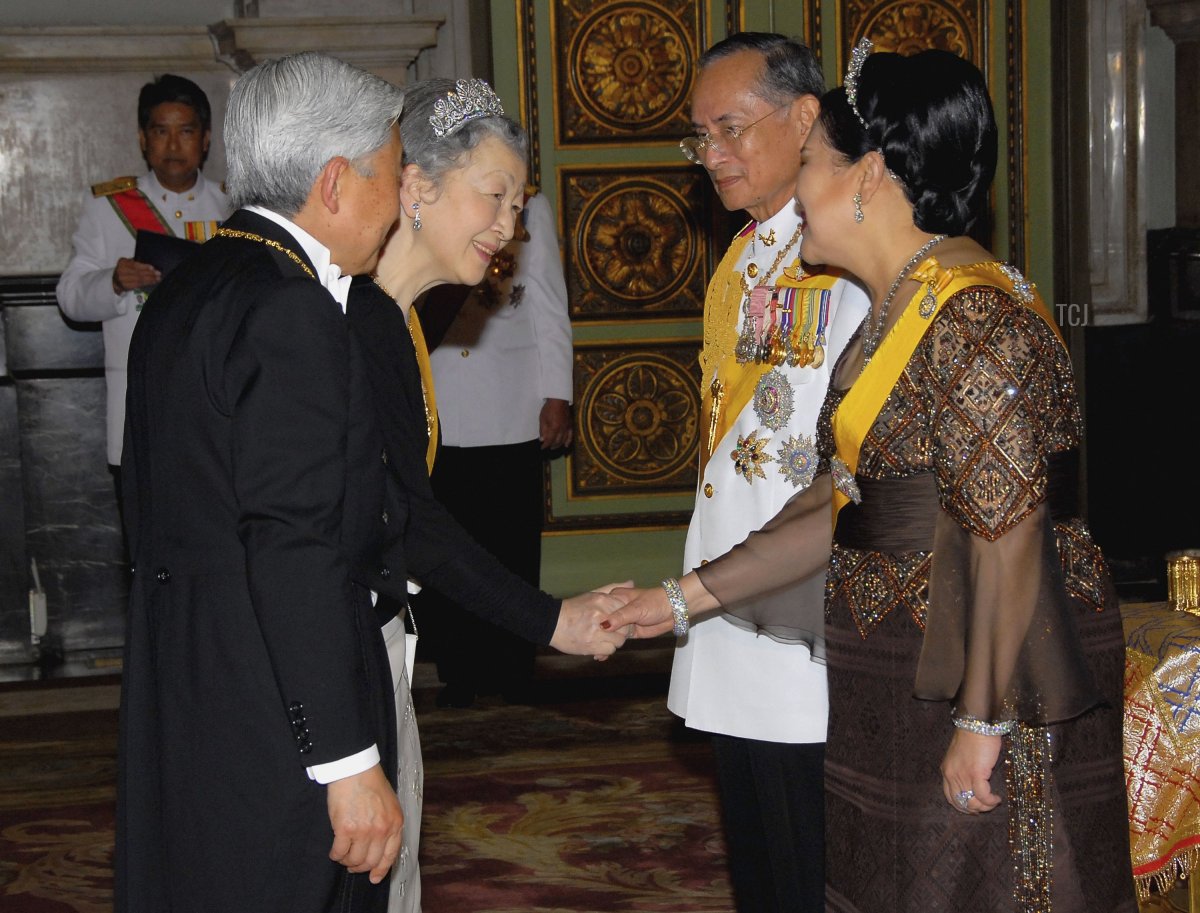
873,333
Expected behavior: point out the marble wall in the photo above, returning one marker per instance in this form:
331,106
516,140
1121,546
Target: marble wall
68,119
58,506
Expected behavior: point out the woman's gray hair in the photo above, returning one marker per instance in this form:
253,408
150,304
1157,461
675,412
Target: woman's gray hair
435,155
288,117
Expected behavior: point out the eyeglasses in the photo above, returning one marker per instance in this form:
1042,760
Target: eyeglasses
694,148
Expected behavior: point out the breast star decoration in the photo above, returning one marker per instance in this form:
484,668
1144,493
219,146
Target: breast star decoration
798,460
749,456
773,400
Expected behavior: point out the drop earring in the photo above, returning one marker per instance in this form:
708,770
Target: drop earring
858,213
417,216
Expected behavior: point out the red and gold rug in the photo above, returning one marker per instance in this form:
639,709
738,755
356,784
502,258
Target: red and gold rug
587,806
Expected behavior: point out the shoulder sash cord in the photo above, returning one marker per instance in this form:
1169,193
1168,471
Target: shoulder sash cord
427,392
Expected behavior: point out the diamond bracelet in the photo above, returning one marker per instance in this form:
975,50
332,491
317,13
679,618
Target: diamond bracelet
979,727
679,607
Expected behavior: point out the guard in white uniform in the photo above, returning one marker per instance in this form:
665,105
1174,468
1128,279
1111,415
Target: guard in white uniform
772,333
102,282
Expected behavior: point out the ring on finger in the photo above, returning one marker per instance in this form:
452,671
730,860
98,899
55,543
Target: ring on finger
964,797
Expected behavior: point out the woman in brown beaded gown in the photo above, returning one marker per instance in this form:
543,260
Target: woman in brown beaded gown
975,651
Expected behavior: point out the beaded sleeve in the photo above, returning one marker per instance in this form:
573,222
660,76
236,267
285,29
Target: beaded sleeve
1000,636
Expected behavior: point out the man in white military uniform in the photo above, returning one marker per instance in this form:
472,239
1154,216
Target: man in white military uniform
503,375
103,282
772,333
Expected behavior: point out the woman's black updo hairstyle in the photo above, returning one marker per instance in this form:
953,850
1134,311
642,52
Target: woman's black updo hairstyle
931,117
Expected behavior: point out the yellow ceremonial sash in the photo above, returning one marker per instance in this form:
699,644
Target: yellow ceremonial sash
427,391
728,386
857,413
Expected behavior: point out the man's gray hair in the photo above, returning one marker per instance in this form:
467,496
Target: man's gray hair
288,117
789,68
435,155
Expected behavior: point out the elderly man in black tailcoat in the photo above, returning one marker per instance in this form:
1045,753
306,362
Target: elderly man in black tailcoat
257,723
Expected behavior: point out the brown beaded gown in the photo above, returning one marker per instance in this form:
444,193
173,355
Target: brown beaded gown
982,423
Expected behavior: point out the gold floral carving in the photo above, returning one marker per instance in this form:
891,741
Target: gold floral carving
642,245
906,27
624,68
637,419
638,242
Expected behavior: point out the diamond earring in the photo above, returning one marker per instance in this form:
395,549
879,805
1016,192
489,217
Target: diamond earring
858,213
417,216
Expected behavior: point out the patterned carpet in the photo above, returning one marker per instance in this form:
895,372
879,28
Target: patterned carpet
580,805
592,806
57,788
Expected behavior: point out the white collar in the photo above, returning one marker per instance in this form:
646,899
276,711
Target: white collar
329,274
156,190
784,222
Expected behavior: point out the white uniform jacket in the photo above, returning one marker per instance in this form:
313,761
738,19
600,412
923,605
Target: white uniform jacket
726,678
509,349
85,290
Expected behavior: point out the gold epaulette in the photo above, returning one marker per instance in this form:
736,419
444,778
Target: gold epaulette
116,185
531,190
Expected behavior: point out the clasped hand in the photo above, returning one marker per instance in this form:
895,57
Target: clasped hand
582,628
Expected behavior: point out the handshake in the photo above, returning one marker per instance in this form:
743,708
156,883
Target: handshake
598,623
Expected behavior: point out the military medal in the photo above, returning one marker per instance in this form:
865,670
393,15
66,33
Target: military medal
773,400
800,352
758,342
818,356
798,460
758,308
744,350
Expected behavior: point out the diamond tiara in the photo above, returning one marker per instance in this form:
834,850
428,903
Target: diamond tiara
858,57
469,99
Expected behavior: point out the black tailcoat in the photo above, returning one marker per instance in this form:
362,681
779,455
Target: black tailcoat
255,497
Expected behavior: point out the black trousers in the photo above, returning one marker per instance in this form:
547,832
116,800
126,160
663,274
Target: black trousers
496,494
773,806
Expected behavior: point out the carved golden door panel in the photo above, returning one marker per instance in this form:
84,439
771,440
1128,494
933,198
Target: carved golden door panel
605,87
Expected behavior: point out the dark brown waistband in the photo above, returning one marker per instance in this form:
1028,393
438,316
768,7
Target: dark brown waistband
899,515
